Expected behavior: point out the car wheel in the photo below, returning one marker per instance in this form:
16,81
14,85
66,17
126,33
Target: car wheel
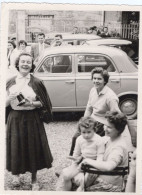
128,105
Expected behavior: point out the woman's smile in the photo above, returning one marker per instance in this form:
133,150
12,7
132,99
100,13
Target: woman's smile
98,81
25,64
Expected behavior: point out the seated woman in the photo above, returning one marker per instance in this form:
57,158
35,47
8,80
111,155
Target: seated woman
115,155
101,100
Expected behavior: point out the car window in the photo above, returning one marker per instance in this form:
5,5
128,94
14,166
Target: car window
87,62
57,64
72,42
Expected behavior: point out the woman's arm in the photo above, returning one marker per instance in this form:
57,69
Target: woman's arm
114,159
36,104
131,181
89,108
101,165
88,111
113,104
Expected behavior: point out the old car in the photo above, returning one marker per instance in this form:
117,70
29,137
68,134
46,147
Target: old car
72,39
130,47
65,72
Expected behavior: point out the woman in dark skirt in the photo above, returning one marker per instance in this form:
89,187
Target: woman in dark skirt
27,144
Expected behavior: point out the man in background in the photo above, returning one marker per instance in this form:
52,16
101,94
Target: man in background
58,41
38,48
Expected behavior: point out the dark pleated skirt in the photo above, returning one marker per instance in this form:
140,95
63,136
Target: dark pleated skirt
27,147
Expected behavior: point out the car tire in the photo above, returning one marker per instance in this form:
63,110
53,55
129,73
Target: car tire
128,105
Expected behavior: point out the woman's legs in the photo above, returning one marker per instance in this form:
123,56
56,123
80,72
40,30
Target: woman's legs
68,174
16,180
34,178
79,181
35,185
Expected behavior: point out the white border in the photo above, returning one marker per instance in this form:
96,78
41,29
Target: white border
44,6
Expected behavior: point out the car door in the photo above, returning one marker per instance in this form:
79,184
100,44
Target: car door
58,75
84,64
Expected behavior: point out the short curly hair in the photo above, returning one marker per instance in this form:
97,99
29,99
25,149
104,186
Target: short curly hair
87,122
100,70
18,59
119,120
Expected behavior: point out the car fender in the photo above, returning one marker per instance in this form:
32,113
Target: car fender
127,93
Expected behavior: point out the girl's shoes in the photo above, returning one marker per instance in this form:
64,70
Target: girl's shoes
35,187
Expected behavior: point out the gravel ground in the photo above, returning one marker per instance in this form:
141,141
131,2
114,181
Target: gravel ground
59,134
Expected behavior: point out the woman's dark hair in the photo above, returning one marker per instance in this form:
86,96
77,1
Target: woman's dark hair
12,43
119,120
21,42
104,73
18,59
87,122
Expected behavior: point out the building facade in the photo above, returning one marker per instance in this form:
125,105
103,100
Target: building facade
26,24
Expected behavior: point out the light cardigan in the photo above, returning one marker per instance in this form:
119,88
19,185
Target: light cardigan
37,85
22,86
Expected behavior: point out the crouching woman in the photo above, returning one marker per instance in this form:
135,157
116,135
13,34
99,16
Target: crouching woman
116,155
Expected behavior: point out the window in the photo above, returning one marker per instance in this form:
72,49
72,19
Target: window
87,62
57,64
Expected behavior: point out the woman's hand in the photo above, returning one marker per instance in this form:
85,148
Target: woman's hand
12,96
27,103
77,160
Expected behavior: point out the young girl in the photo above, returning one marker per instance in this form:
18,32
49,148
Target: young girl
88,145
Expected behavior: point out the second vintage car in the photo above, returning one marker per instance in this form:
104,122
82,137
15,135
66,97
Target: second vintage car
66,73
130,47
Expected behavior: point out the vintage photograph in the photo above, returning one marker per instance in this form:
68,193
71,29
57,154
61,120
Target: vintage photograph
72,99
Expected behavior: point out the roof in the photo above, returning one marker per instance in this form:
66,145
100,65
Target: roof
83,48
117,55
109,42
73,36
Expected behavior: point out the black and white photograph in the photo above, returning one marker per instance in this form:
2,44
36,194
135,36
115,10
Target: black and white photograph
71,98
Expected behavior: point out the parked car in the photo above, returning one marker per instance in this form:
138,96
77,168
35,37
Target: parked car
65,72
72,39
130,47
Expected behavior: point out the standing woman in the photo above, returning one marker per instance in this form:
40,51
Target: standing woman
10,53
27,144
22,46
101,100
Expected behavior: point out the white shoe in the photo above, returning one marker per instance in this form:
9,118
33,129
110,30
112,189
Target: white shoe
16,181
35,187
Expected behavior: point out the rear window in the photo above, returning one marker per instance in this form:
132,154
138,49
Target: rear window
88,62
